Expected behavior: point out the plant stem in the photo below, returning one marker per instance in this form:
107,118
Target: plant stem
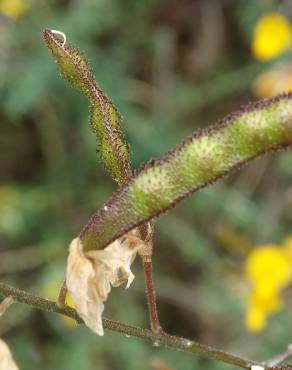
146,233
151,298
61,299
279,359
162,339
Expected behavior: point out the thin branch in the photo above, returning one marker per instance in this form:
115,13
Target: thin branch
151,298
161,339
61,299
146,232
279,359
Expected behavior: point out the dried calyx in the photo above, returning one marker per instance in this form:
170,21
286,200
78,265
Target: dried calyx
90,275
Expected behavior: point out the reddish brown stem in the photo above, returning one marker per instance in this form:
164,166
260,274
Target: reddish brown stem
151,298
61,300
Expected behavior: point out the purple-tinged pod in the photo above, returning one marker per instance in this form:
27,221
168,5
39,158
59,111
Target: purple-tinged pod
200,160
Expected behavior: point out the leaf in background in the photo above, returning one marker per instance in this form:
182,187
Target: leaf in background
200,160
105,119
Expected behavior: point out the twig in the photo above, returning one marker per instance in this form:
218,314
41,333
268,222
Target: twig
151,298
279,359
161,339
146,232
61,299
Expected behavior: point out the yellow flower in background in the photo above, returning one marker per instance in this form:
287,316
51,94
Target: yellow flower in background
273,82
50,290
272,36
67,320
255,319
268,264
269,270
287,247
13,8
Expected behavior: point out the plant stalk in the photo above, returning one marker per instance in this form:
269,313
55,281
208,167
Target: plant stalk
151,298
162,339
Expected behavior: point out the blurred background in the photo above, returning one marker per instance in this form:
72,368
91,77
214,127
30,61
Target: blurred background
170,67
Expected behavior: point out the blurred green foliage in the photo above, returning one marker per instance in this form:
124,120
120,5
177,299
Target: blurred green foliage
170,67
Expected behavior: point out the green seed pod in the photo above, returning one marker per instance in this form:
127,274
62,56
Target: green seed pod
200,160
105,119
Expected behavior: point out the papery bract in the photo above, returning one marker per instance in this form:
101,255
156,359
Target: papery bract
90,275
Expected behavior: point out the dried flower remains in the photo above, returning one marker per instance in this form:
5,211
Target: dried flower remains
90,275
